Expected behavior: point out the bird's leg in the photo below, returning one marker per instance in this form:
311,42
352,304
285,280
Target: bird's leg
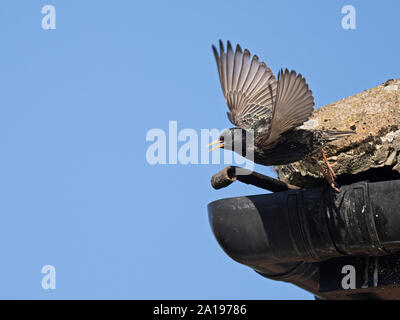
331,172
326,173
328,176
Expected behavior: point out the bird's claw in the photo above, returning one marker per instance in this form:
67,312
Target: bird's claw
333,185
329,176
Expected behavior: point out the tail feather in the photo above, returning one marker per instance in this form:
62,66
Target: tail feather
331,135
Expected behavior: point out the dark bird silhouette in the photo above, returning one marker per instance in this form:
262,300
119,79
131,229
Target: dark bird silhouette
270,112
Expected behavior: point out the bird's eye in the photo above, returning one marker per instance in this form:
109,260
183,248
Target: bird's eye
221,138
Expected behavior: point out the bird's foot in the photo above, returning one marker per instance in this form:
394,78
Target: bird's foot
333,164
329,177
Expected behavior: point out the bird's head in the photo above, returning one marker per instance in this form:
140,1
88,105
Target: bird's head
234,139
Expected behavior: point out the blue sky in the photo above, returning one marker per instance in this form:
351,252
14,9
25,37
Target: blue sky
77,102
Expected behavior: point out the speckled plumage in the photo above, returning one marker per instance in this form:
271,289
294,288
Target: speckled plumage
295,145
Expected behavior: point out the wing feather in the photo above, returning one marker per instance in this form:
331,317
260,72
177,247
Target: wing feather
249,86
253,93
294,104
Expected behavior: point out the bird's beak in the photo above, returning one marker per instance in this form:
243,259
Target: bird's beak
216,141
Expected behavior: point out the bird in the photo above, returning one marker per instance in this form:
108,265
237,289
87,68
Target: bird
269,113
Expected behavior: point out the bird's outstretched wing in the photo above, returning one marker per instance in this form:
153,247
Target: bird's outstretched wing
249,86
293,106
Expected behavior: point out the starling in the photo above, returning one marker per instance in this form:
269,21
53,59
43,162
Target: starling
273,110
